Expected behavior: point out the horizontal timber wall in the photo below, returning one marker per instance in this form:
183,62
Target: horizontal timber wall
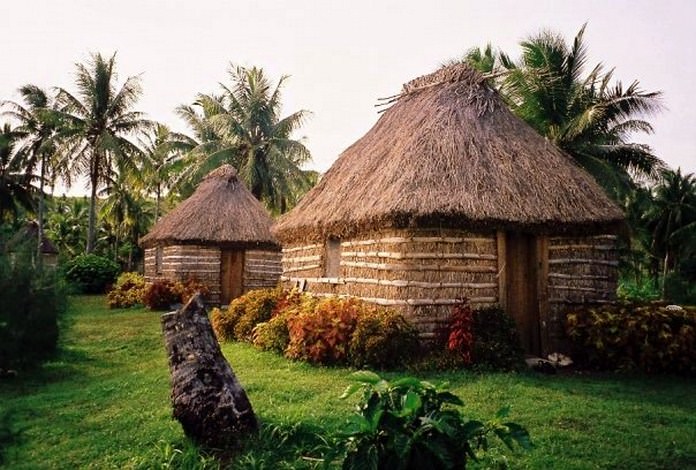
422,272
262,269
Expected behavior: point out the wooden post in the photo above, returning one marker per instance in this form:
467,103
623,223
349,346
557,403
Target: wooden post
502,269
207,398
542,262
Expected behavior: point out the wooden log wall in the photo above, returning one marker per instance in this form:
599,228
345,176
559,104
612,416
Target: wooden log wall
421,272
180,262
262,269
581,271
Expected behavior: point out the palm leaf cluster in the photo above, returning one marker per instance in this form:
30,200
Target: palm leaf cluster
591,116
243,126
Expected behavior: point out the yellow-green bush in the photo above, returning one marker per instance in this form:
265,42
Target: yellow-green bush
244,313
382,339
128,291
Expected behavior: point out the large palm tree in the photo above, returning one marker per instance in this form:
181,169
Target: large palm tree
586,115
15,181
38,123
242,126
99,121
162,160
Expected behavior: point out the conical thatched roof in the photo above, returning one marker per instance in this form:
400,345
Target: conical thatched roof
449,153
221,211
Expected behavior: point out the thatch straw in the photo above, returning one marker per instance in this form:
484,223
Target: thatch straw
448,153
221,211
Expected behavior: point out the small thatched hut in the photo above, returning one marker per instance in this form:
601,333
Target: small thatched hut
448,196
221,236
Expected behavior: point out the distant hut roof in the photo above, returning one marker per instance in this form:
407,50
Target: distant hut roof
221,211
450,153
30,231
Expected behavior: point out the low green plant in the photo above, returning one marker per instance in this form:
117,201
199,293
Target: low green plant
91,274
170,456
382,339
413,424
497,343
128,291
642,289
653,337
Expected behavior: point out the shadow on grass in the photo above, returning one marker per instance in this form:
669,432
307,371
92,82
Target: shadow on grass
661,390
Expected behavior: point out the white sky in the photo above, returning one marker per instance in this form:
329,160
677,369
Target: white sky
342,56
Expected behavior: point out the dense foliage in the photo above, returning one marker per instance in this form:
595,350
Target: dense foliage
322,331
90,273
653,337
411,424
31,304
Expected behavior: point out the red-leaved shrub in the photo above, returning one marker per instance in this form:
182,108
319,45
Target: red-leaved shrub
460,340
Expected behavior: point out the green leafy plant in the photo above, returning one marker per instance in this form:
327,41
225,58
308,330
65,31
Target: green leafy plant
128,291
412,424
653,337
382,339
91,274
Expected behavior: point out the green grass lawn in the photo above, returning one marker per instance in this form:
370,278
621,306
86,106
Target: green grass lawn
104,403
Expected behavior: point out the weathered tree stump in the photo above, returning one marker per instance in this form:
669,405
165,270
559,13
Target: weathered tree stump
207,398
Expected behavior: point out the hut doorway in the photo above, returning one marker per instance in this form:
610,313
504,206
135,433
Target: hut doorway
231,275
522,296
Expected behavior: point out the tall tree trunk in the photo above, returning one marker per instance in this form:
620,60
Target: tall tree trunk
207,398
40,215
91,228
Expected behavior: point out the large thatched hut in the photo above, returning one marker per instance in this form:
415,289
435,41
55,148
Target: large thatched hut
221,236
448,196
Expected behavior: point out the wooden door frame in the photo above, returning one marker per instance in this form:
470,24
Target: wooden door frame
541,269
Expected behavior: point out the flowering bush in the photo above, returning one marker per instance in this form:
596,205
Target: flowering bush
382,339
460,340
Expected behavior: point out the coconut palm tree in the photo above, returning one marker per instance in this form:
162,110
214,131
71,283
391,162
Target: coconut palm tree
672,218
15,181
587,116
162,151
242,126
38,123
97,124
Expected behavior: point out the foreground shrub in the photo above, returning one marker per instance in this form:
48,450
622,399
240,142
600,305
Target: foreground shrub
323,335
162,294
91,274
412,424
497,343
187,288
652,337
245,312
273,335
460,340
382,339
31,303
128,291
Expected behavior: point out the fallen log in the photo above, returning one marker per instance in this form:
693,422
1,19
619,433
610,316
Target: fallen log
207,398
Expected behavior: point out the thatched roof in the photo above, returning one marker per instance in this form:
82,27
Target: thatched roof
449,153
30,232
221,211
